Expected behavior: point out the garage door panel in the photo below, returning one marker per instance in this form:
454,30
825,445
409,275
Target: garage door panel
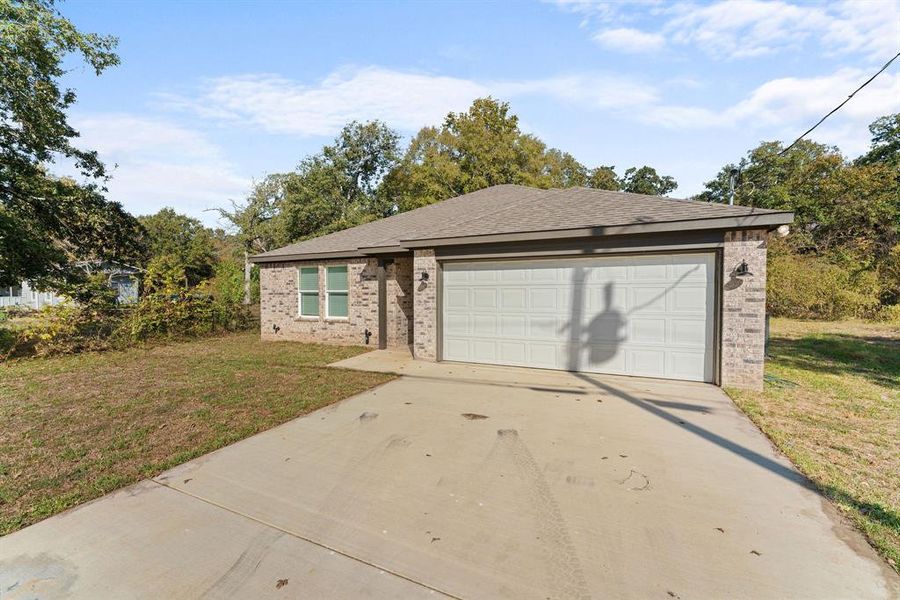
687,332
457,348
648,299
604,358
544,275
648,331
456,324
513,298
606,297
484,350
648,272
647,315
544,355
686,365
647,362
514,326
456,298
484,298
543,327
513,352
611,273
485,324
545,299
689,299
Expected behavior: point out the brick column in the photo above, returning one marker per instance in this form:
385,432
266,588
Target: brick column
425,305
743,309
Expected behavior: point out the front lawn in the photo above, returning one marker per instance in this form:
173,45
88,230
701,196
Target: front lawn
832,404
76,427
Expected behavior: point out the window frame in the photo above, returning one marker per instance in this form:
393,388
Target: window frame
329,292
309,292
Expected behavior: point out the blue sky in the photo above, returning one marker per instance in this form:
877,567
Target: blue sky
212,95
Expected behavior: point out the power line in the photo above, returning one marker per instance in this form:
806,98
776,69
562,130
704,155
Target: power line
838,107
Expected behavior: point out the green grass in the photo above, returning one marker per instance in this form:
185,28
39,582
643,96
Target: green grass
831,403
77,427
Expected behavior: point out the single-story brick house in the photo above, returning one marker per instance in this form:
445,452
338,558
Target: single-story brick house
575,279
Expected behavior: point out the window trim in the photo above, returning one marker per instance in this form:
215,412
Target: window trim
301,292
328,293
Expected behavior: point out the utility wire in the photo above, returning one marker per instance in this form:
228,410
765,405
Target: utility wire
838,107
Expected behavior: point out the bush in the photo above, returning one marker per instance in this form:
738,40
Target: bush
810,287
889,314
65,328
182,315
70,328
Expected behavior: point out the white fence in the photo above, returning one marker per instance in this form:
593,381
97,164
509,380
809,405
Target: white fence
25,296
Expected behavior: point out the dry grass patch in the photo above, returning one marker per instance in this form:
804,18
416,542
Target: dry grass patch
77,427
832,404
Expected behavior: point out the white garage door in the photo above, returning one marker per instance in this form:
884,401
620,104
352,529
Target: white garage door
648,315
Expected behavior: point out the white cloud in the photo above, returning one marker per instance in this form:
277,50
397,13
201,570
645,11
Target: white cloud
280,105
783,108
405,100
777,108
156,163
626,39
750,28
746,29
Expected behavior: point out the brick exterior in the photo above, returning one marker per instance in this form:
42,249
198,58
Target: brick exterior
280,309
425,306
400,302
412,306
744,310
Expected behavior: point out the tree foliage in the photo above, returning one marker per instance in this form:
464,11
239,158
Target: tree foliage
48,224
847,212
177,240
338,187
645,180
474,150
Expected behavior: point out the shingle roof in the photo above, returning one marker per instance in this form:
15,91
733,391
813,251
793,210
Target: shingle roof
514,209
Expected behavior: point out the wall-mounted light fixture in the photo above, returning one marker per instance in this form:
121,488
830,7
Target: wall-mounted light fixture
424,276
743,270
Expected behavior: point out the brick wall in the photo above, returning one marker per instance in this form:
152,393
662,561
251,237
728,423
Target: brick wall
425,305
400,302
279,303
744,309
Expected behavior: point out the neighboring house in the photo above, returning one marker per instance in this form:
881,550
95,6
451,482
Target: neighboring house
575,279
122,278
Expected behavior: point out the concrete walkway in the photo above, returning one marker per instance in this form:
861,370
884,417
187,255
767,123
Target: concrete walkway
469,482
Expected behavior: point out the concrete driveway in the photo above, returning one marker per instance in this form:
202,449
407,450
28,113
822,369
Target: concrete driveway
470,482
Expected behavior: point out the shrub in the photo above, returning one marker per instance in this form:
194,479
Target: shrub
810,287
182,315
66,328
70,328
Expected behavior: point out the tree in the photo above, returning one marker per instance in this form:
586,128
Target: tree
847,213
645,180
337,188
604,178
259,222
49,224
184,241
474,150
885,142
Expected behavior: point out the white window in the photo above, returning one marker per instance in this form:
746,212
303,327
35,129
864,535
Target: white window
336,292
309,291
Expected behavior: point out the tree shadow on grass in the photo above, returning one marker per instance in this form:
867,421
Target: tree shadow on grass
872,511
877,359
